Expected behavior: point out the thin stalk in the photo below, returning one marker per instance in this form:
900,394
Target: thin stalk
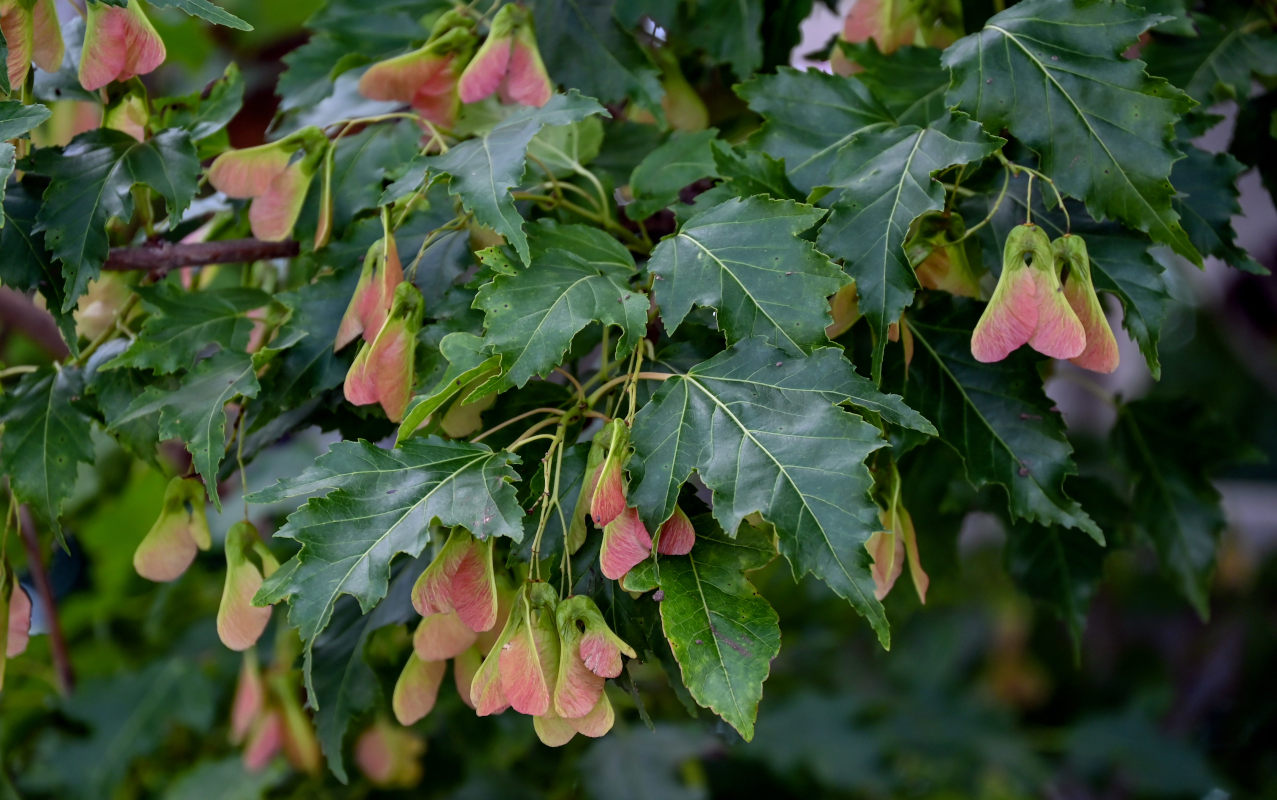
1028,202
1033,173
554,492
997,204
957,182
107,334
576,384
239,455
429,240
22,369
612,384
557,412
539,437
573,187
617,229
35,563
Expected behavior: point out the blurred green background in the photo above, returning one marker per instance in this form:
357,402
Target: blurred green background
984,694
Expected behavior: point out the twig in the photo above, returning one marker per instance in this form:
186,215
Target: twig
61,655
159,258
20,314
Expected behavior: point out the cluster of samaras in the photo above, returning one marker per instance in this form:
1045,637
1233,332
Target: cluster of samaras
434,79
527,649
1045,299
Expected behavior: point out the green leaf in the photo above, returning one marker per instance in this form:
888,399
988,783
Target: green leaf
374,504
749,172
728,30
227,779
310,367
1207,202
1216,64
115,390
90,182
1175,18
808,117
885,178
1051,72
566,149
577,275
1166,446
195,412
723,633
486,168
997,418
184,324
205,11
468,367
856,390
656,181
26,263
309,70
206,112
45,437
1059,567
127,716
361,164
17,119
585,48
745,259
343,683
760,427
909,81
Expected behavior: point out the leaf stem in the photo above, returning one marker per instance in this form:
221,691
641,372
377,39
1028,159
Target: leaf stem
612,384
576,384
429,240
960,191
538,437
560,185
21,369
993,212
347,124
435,136
606,222
558,412
957,184
554,492
239,454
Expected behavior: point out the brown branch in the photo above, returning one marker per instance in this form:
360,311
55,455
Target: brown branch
159,258
18,313
58,643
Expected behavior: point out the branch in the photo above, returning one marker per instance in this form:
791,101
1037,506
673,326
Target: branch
159,258
58,643
20,314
